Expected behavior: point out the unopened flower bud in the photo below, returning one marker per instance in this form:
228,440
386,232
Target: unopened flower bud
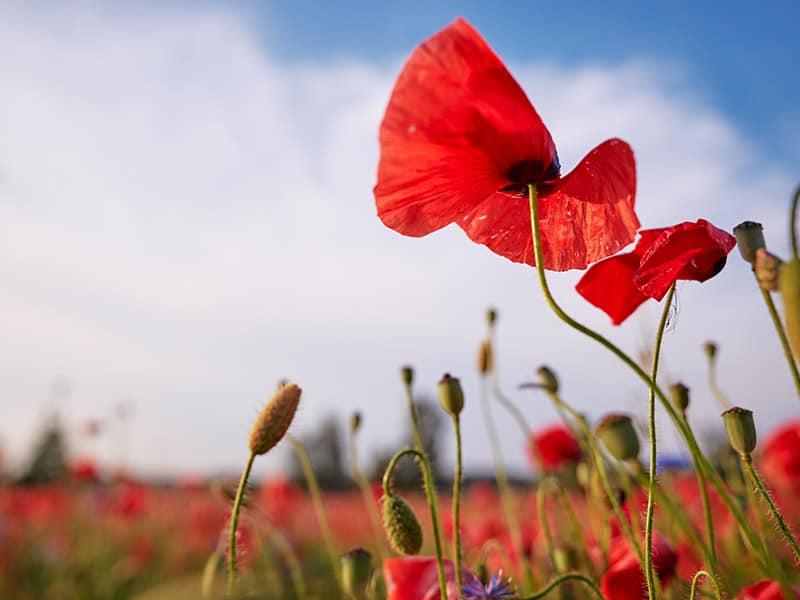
274,420
451,396
548,379
749,238
356,572
407,375
741,429
401,525
491,317
355,421
485,358
619,436
679,396
566,559
768,269
710,348
790,293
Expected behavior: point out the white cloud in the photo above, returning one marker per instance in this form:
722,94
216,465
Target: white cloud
184,220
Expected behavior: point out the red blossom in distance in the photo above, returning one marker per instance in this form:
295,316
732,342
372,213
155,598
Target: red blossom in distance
687,251
460,142
552,447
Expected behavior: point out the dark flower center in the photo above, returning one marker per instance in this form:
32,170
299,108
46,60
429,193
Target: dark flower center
530,171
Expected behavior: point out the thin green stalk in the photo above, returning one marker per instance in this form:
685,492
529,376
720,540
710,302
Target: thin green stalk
427,478
237,505
506,497
295,573
457,506
319,509
544,523
651,481
414,419
366,494
712,385
696,580
687,434
793,221
563,579
747,461
577,538
787,349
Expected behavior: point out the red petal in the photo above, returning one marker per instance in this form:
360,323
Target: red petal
693,251
455,125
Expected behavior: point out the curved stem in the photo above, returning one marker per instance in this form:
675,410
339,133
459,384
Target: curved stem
237,506
651,481
747,461
787,349
696,581
425,467
793,220
414,419
457,506
366,494
319,509
563,579
712,384
686,433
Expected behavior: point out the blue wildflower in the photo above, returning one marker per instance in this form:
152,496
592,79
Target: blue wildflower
498,588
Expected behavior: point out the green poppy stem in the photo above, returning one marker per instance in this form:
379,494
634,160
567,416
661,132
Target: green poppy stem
459,474
237,506
781,331
561,579
412,411
696,580
366,494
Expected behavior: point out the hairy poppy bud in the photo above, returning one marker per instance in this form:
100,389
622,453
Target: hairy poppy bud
451,397
356,572
355,421
548,379
749,238
618,435
790,293
741,429
274,419
679,395
401,525
491,317
767,269
407,375
485,357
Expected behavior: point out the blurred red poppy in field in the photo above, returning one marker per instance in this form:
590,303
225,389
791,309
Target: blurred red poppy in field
625,579
417,578
766,590
460,142
780,460
552,447
83,470
692,251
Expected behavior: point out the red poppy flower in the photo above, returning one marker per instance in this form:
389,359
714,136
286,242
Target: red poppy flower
417,578
766,590
552,447
780,461
625,579
460,142
618,285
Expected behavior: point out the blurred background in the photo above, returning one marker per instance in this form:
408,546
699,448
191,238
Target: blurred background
186,218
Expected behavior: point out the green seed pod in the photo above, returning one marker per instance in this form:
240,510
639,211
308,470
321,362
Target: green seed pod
548,379
741,429
767,268
618,435
790,293
679,396
401,525
407,375
451,396
356,572
749,238
485,358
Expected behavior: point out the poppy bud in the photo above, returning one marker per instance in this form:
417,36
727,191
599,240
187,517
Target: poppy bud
407,375
274,420
767,269
451,397
679,395
618,435
548,379
749,238
741,429
356,572
355,421
710,348
790,292
491,317
566,559
485,358
401,525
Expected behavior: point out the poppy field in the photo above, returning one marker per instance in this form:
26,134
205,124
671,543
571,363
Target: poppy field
607,514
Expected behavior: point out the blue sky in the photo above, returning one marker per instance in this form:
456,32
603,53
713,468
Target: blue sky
186,216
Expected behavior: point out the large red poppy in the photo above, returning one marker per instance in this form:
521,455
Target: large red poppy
460,142
766,590
417,578
693,251
625,579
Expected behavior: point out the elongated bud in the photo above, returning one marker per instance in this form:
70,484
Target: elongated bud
710,349
741,429
356,572
749,238
767,269
619,436
355,421
491,317
407,375
485,358
790,293
451,397
548,379
679,396
401,525
274,419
